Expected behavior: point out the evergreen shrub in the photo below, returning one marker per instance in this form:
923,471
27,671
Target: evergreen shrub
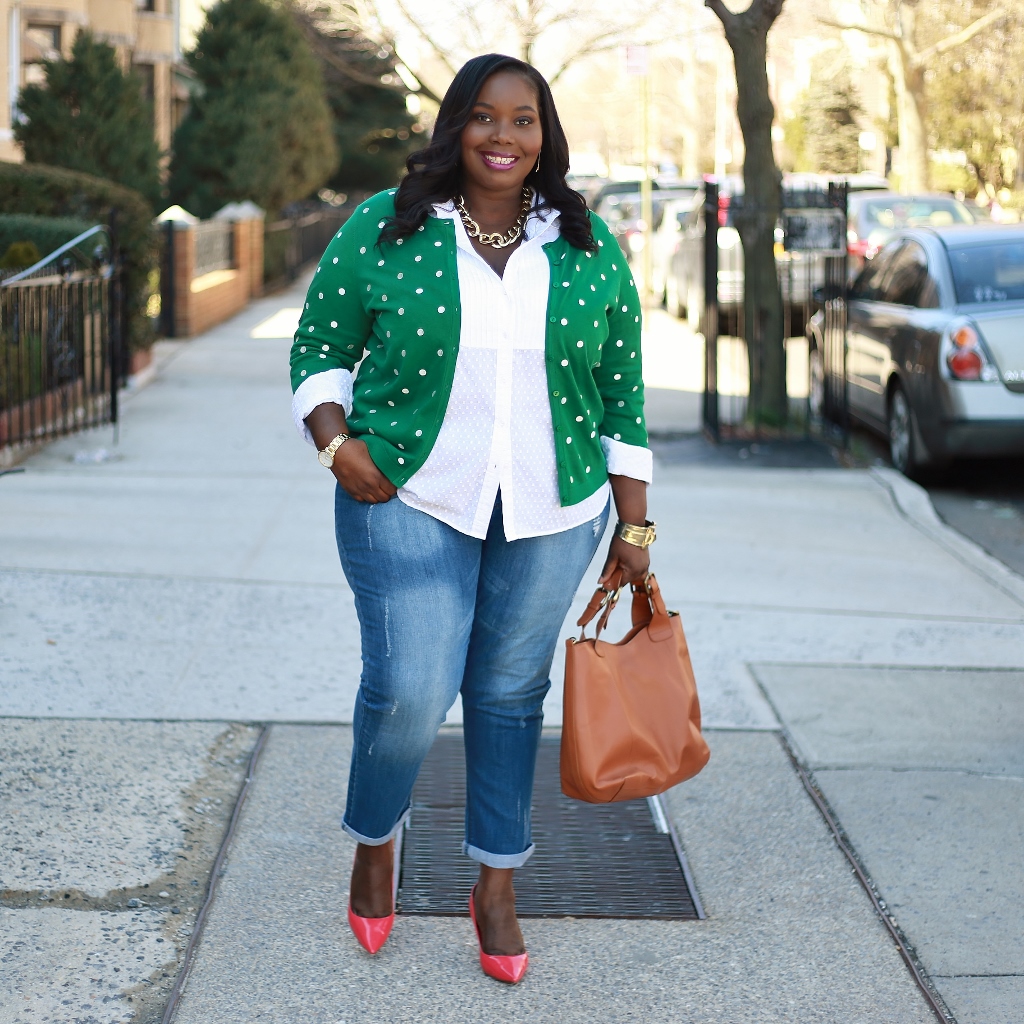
56,192
90,116
42,234
258,126
19,255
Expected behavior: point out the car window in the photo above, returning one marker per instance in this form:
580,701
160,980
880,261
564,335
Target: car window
988,273
908,282
868,284
615,208
894,212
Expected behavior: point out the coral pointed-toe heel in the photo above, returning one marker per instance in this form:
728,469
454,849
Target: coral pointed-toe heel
372,932
509,969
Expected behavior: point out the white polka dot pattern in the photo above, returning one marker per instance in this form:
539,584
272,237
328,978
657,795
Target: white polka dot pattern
585,387
497,430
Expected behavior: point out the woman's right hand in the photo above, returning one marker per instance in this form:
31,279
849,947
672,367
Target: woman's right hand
358,473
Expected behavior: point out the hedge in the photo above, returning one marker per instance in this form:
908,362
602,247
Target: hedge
56,192
45,233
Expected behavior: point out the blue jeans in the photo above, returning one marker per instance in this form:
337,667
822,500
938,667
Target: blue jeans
442,613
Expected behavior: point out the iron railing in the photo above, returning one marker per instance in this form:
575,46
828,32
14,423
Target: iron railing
61,348
292,244
214,246
811,269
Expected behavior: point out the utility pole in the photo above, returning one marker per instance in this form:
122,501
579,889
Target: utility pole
638,64
722,154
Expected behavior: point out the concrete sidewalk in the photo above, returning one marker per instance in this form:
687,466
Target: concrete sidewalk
151,602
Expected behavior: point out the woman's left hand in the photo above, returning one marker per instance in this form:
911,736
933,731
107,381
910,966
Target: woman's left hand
625,563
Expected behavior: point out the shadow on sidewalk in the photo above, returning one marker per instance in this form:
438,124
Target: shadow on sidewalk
697,450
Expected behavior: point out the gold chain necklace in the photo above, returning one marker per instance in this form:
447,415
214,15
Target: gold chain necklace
496,239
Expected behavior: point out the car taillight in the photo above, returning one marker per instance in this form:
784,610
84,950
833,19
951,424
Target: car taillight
965,357
862,247
966,364
723,211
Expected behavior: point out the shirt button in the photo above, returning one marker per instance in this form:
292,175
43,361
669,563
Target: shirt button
555,393
551,319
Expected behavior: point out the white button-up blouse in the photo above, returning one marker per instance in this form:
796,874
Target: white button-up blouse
497,431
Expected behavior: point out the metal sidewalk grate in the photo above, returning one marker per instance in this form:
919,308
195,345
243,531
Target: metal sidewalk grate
592,860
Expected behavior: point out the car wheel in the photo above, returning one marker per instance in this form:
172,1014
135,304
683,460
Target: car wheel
902,447
816,383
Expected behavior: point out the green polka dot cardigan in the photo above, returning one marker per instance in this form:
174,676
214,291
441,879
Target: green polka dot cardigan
396,308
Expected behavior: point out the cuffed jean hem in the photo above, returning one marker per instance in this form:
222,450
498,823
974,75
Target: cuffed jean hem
366,841
498,860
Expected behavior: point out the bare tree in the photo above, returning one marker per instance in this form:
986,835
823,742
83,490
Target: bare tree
363,20
899,22
755,218
454,31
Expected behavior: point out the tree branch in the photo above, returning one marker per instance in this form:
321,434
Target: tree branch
725,16
588,51
427,38
609,39
319,35
880,32
959,38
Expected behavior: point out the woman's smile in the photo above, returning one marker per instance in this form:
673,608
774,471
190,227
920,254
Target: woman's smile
499,161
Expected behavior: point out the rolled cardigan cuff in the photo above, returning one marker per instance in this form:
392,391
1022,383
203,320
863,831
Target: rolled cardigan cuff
627,459
329,386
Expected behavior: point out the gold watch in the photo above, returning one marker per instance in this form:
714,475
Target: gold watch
326,457
638,536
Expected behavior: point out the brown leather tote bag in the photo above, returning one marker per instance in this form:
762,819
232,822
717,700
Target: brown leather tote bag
631,718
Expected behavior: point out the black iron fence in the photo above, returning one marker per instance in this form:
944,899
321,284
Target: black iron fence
811,270
62,352
292,244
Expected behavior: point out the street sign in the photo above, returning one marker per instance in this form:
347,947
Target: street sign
814,230
637,60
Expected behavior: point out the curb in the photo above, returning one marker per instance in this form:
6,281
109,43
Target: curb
912,502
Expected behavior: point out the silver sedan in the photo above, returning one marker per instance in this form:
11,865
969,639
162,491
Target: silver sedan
935,344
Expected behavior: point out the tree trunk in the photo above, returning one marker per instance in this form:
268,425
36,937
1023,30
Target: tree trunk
908,79
755,218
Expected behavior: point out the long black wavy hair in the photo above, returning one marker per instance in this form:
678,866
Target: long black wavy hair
435,173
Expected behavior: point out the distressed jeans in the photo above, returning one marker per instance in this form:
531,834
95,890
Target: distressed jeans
441,613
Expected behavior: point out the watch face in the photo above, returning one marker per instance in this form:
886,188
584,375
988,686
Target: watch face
325,460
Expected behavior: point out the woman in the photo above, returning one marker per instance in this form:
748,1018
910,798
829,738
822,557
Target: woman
499,399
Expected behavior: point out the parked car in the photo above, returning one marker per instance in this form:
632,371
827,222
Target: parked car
684,274
622,212
600,190
667,239
935,344
874,217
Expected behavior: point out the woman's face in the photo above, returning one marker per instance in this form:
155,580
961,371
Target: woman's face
502,140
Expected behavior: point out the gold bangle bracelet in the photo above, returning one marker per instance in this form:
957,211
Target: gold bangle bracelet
639,536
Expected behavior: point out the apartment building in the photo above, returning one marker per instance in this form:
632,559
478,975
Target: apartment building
145,33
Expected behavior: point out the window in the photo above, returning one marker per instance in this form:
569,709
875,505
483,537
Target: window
993,272
39,43
868,285
147,77
894,212
908,282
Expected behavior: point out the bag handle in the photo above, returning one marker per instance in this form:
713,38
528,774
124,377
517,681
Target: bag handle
602,599
648,608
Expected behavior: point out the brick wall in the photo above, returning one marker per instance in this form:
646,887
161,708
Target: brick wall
203,302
